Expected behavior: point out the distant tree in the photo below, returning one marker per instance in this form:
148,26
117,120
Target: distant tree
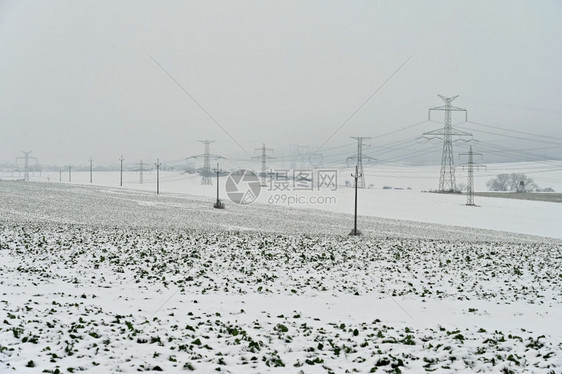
499,183
547,189
512,182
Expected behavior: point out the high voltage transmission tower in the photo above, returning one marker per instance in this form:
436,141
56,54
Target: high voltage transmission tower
360,180
470,179
26,159
263,157
207,156
447,181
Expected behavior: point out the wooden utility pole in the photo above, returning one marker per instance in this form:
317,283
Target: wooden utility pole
91,162
356,176
158,176
121,177
219,204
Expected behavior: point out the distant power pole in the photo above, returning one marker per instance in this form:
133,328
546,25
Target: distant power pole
158,164
26,163
60,174
356,176
470,179
302,151
91,163
219,204
69,172
263,157
360,183
121,175
447,181
141,176
207,156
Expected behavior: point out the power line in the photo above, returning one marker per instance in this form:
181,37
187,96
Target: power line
199,105
364,103
515,131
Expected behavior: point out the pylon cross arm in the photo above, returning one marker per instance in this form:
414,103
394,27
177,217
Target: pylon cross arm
448,107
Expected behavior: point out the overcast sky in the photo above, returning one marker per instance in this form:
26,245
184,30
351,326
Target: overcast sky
77,79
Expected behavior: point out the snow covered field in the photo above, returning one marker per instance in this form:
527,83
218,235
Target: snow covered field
523,217
110,279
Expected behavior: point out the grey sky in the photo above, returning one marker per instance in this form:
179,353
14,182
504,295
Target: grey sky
76,78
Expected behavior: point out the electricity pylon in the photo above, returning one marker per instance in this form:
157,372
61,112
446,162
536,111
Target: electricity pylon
263,157
470,179
359,160
447,182
26,163
207,156
158,164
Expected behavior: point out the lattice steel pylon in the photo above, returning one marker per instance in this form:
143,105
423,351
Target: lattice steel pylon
447,182
360,180
26,164
470,179
206,172
263,157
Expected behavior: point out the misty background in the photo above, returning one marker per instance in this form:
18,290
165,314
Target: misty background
81,79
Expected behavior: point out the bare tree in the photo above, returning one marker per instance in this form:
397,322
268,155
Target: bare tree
512,182
499,183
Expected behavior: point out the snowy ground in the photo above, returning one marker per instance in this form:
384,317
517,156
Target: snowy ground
518,216
110,279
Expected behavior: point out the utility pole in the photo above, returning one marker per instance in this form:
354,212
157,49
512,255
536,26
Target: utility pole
470,179
447,182
69,173
26,159
157,164
91,163
141,176
359,159
263,157
219,204
121,175
60,174
356,176
207,156
302,151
